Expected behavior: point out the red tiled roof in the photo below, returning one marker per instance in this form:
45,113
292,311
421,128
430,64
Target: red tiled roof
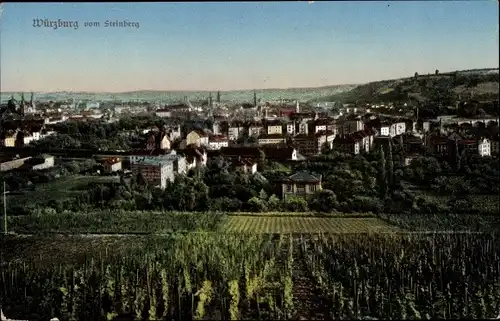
271,136
255,124
111,161
467,142
324,132
276,122
218,138
323,122
153,152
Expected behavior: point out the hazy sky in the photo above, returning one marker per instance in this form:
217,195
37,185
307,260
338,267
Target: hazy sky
226,46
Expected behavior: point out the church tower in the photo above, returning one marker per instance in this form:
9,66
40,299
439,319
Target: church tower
218,97
22,106
32,103
297,107
254,98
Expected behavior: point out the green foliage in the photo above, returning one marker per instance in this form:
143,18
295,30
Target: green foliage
436,88
295,204
324,201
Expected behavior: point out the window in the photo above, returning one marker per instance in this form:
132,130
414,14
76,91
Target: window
312,188
301,188
289,188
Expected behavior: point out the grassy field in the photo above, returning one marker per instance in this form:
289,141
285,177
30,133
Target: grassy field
115,222
57,189
279,225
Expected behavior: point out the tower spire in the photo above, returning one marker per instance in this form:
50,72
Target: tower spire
254,98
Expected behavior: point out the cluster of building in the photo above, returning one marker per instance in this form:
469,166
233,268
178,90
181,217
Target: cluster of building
289,135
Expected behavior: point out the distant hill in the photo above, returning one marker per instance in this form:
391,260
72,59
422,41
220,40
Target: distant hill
483,83
302,94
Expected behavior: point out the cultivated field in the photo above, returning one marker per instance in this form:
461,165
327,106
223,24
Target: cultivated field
295,225
222,276
138,222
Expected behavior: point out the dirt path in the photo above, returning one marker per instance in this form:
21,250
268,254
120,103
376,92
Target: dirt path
308,301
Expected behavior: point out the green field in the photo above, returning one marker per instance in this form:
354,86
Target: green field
285,225
138,222
222,276
57,189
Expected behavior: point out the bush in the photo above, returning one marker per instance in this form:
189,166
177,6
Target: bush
226,204
366,204
296,204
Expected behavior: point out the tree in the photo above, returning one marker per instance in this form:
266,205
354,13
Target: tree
457,156
416,76
390,167
262,159
256,204
263,195
324,201
382,178
437,72
273,203
296,204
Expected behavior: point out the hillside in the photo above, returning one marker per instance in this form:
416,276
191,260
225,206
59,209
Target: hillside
302,94
483,83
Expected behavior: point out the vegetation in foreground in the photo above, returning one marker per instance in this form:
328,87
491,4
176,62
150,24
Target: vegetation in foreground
230,277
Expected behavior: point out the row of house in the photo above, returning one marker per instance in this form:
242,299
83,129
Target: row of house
20,138
443,145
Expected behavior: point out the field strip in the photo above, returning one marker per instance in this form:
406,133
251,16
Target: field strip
297,225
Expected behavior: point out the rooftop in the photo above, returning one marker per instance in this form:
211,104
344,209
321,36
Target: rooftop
304,177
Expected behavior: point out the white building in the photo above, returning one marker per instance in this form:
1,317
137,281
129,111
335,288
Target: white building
217,142
484,147
350,126
392,129
112,165
290,128
273,139
164,113
494,146
274,129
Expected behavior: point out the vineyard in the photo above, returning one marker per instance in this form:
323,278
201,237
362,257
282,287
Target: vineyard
276,224
229,277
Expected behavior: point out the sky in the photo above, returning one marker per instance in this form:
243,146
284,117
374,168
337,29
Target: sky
241,45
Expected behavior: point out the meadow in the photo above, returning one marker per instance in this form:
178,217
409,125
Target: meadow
57,189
